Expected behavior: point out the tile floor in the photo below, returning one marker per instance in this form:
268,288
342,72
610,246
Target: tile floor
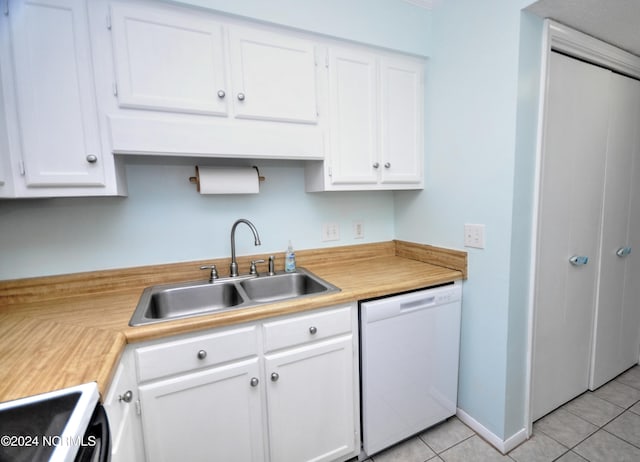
599,426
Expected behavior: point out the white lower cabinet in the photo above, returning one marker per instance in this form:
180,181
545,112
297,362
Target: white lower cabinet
285,389
213,414
310,395
122,406
312,386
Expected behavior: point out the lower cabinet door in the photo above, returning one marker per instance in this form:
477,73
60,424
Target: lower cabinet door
310,401
210,415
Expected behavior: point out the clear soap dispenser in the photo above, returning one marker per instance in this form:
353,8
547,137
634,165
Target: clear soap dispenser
290,259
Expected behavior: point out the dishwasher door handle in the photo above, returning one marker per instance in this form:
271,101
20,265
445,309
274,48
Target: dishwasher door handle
419,304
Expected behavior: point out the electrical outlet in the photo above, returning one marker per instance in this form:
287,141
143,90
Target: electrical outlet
330,232
358,229
474,236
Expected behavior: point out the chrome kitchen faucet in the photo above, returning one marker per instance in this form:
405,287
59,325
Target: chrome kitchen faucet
233,268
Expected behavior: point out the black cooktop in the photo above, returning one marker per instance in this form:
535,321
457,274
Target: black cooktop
29,431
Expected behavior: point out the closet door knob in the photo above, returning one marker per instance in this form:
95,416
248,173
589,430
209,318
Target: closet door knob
579,260
623,251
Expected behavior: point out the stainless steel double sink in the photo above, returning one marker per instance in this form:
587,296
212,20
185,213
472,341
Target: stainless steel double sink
184,300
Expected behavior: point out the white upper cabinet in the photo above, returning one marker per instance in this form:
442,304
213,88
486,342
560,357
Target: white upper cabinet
168,61
273,76
402,121
85,81
188,82
353,103
53,130
376,111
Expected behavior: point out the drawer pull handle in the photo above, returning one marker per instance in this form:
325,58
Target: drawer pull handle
126,397
202,354
254,381
313,330
275,376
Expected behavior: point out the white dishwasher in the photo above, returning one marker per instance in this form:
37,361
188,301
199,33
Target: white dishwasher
409,347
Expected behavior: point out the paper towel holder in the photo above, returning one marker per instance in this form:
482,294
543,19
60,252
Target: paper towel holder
194,179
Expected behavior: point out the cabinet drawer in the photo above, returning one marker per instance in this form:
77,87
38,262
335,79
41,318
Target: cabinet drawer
193,353
306,328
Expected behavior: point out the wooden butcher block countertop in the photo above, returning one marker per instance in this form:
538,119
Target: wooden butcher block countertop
61,331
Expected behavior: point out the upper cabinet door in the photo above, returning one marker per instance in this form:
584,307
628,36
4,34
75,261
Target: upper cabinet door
353,113
168,60
402,122
55,94
274,76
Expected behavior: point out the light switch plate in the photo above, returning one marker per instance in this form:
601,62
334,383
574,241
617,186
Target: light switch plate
358,229
474,236
330,232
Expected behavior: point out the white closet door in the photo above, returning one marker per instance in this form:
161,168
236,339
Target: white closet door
616,332
575,140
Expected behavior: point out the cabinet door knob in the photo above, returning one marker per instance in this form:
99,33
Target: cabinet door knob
313,330
254,381
126,397
202,354
376,164
387,165
241,96
275,376
92,158
221,94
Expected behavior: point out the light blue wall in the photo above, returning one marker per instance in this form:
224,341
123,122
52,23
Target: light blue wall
392,24
472,100
163,219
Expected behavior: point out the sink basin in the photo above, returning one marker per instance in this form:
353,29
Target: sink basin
176,301
283,286
184,300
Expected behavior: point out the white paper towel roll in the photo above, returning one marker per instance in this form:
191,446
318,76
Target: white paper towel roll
214,180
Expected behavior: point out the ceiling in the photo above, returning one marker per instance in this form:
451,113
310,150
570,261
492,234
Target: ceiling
614,21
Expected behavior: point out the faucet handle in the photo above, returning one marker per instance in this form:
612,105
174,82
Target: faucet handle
214,272
252,269
272,265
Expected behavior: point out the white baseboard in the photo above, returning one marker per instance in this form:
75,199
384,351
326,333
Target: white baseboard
504,446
